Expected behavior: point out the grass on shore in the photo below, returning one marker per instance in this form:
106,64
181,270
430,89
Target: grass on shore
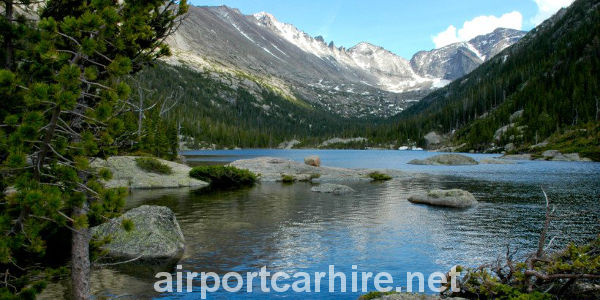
378,176
153,165
224,176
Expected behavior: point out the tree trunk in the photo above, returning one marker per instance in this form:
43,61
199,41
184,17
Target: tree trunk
8,43
140,118
80,259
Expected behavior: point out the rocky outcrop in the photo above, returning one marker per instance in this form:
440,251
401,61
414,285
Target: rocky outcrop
127,174
445,160
489,161
555,155
288,144
271,169
342,141
551,155
156,235
516,116
525,156
433,139
448,198
313,160
336,189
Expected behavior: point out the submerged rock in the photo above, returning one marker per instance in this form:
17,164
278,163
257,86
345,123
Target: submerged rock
336,189
156,235
448,198
127,174
556,155
489,161
517,156
445,160
313,160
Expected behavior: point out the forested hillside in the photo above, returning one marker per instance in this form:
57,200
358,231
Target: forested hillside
551,75
208,108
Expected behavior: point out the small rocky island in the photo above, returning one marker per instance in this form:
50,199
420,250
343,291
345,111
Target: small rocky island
445,160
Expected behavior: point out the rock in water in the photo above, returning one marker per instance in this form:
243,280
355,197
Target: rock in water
313,160
156,236
336,189
447,198
445,160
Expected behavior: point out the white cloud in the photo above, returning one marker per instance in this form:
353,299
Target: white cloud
478,26
546,8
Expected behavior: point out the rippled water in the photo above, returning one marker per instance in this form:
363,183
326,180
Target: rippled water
288,228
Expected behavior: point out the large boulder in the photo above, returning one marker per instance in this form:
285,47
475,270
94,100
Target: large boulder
336,189
156,235
432,139
313,160
448,198
445,160
127,174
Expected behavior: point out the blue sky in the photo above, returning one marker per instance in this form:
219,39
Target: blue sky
401,26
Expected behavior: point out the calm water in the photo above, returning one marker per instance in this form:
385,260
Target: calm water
290,229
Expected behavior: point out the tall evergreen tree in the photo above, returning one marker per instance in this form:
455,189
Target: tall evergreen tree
67,91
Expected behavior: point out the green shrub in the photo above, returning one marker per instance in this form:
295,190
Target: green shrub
153,165
377,176
374,295
224,176
287,178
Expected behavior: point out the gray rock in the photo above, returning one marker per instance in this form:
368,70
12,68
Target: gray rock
509,147
432,139
342,141
288,144
448,198
540,145
489,161
517,157
516,116
313,160
556,155
156,235
271,169
445,160
337,189
127,174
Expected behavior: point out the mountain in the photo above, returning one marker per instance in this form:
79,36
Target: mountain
541,93
258,51
454,61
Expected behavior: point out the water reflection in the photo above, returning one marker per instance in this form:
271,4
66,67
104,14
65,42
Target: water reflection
288,228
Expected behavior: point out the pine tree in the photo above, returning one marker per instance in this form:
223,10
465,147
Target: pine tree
66,91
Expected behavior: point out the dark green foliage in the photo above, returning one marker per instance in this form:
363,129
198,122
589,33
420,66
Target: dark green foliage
378,176
63,92
573,260
584,140
287,178
374,295
212,112
153,165
224,176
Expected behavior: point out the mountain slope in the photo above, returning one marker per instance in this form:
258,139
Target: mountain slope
363,81
543,86
456,60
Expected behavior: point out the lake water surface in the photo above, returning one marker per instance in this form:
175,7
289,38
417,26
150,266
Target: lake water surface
288,228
